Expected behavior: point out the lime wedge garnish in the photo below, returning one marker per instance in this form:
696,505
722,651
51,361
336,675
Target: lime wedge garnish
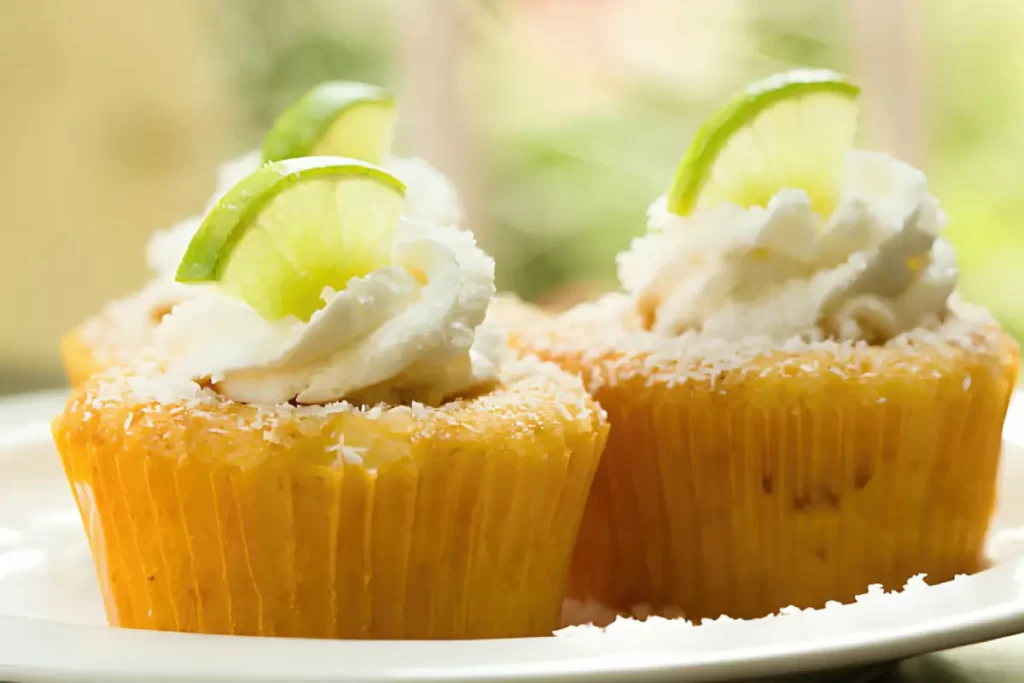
292,228
336,118
791,130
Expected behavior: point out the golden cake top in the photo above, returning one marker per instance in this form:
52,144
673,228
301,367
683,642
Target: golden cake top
144,398
607,338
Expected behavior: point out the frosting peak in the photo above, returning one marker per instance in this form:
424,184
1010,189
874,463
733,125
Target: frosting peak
413,331
874,268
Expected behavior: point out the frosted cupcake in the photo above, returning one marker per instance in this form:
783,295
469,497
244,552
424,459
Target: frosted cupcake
337,118
800,404
325,439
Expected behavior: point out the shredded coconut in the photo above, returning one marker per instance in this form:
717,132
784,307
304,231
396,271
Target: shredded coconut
353,455
144,387
609,343
591,619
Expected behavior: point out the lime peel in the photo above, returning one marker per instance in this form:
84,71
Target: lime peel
293,227
338,118
698,165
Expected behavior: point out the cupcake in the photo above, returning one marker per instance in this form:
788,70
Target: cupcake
800,403
336,118
326,438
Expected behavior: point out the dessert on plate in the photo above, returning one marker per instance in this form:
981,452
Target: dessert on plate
326,438
340,118
800,403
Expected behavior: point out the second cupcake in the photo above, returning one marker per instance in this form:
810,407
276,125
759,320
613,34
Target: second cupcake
800,405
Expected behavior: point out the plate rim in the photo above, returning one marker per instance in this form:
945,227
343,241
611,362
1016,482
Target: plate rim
88,651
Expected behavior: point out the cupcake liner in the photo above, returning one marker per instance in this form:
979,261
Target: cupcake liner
719,507
791,478
198,524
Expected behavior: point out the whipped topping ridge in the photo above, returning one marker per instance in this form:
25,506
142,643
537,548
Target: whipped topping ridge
876,267
413,331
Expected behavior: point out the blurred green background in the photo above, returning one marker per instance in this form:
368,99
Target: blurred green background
558,120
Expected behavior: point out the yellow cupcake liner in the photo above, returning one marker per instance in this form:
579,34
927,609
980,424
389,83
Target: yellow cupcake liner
199,525
791,479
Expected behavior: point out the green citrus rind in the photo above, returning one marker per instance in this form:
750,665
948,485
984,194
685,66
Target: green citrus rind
714,135
226,223
304,128
292,228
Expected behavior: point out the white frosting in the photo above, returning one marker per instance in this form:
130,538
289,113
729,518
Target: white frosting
874,268
413,331
166,248
429,194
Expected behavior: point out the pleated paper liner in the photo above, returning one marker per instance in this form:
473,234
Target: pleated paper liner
791,479
199,525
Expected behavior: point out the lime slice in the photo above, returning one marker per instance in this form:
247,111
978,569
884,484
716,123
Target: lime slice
293,227
791,130
337,118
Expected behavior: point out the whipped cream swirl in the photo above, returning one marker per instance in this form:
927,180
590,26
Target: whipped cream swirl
413,331
873,269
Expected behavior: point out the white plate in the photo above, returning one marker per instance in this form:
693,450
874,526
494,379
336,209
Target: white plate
51,622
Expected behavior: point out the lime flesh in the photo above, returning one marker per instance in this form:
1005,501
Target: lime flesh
336,118
292,228
791,130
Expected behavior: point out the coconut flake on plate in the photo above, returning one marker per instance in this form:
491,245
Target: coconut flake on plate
589,618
